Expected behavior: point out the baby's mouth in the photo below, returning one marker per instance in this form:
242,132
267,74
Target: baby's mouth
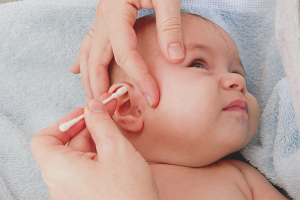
237,105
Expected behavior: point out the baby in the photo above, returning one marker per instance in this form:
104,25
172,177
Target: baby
205,113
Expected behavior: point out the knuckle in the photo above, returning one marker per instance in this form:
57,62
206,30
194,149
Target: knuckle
95,69
138,79
101,122
92,63
82,52
170,26
122,56
113,139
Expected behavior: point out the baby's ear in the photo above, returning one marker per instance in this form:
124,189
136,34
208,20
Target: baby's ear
128,114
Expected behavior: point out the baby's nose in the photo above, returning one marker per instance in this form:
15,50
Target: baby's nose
233,81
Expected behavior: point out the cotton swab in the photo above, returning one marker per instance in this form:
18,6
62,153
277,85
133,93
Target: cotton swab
65,126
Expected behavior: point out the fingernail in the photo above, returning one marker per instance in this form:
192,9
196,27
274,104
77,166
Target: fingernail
96,106
149,100
175,50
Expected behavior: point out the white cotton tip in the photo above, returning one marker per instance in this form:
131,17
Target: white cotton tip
121,91
65,126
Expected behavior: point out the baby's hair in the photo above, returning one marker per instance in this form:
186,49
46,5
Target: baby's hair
116,73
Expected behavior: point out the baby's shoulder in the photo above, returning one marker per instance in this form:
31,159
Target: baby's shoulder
260,186
221,180
228,168
226,179
237,170
232,166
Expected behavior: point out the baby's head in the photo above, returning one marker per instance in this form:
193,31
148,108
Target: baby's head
205,111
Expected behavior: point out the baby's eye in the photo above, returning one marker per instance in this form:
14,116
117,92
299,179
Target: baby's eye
197,65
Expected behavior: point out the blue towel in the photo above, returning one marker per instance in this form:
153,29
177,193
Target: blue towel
40,40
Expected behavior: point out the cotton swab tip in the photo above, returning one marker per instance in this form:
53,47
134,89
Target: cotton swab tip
63,127
121,91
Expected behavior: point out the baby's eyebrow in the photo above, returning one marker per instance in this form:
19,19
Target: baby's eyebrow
193,46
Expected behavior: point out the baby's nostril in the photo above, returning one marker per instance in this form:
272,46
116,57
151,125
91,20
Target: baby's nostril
233,85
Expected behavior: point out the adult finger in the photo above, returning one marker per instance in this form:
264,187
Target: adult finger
104,131
99,59
110,106
84,56
75,68
168,23
125,51
83,141
42,143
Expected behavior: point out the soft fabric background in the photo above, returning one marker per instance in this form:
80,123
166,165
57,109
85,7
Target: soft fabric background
40,40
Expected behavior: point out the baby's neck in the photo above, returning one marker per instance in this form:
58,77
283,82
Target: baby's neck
171,180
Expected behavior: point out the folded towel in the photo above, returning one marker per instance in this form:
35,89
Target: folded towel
40,40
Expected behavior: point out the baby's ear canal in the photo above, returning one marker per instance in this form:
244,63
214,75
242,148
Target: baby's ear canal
127,109
127,115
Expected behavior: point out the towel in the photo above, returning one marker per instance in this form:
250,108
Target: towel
40,40
38,44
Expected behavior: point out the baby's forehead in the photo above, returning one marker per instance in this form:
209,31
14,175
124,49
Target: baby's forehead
196,32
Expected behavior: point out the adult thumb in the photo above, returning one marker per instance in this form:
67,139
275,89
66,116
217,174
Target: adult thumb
102,128
169,29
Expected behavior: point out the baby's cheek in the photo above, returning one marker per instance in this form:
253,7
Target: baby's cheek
254,115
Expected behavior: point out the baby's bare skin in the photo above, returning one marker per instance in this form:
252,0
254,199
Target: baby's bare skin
205,113
229,179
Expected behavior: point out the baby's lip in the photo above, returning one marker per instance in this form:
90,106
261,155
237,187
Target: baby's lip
237,105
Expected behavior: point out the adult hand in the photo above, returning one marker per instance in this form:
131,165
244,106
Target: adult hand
115,171
114,35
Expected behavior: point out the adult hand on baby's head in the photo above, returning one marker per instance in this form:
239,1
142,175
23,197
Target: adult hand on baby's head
114,34
116,171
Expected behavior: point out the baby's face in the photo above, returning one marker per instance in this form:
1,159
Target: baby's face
205,111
